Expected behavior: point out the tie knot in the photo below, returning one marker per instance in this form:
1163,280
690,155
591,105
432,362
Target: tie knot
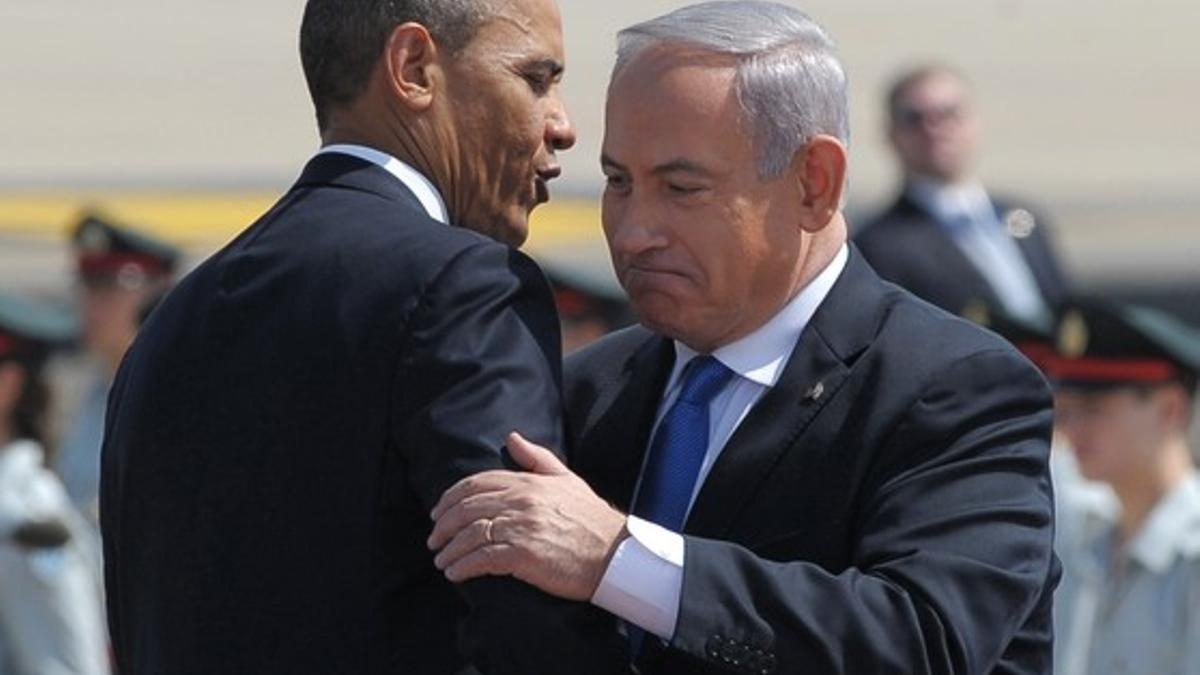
705,378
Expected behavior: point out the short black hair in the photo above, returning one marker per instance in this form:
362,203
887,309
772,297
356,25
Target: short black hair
341,40
905,80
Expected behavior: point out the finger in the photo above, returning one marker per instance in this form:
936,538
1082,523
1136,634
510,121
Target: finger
462,515
464,542
480,483
535,458
494,560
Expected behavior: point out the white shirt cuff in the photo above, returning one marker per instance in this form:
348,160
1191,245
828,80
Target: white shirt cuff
644,580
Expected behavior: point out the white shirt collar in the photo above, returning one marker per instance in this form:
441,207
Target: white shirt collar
420,186
947,201
761,356
1173,526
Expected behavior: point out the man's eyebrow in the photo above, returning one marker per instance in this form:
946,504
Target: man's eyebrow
552,67
685,165
607,162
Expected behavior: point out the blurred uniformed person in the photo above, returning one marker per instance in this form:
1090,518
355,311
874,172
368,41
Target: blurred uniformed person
1130,597
51,622
122,274
590,302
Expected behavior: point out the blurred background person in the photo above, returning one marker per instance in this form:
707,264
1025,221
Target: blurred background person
946,238
589,300
1129,601
122,273
51,621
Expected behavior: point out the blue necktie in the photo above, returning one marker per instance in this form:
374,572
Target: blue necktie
676,453
679,445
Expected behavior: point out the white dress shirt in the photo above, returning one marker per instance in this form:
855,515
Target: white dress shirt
414,180
970,218
644,580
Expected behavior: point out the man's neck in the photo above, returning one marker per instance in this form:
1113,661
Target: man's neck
402,141
1140,492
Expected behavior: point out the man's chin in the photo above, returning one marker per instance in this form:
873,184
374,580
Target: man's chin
513,231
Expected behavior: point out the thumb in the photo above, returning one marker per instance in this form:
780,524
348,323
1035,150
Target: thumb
534,458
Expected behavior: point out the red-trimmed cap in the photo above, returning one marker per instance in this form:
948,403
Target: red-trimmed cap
108,251
1105,344
1034,340
28,328
8,344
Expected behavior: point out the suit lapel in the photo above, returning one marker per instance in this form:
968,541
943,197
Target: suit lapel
620,437
945,255
842,328
813,375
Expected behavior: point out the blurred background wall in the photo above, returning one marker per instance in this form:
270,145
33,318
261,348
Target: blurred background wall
139,106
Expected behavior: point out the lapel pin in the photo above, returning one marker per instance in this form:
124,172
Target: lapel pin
817,391
1020,223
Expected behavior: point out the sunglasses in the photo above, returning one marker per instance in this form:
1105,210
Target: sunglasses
912,118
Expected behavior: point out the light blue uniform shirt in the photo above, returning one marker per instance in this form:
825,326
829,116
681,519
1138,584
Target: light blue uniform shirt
1136,610
79,457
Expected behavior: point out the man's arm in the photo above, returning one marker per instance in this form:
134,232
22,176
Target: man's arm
953,547
482,359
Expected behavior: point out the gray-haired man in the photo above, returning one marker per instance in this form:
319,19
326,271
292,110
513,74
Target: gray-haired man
823,473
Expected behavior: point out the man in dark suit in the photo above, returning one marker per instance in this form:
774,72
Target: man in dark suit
946,238
823,474
290,414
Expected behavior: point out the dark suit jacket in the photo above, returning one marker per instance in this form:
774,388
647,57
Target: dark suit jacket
285,422
907,246
886,508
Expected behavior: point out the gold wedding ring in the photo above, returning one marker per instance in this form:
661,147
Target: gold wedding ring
487,532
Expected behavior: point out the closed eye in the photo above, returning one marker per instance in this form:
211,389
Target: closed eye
538,82
684,189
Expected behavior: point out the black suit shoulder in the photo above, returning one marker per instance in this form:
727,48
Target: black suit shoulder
285,421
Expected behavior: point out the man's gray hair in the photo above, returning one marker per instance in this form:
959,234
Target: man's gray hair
789,80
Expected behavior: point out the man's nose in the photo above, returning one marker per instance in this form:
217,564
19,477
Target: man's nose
560,131
630,233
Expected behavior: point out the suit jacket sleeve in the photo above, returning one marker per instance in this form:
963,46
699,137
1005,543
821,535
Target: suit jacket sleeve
952,547
483,359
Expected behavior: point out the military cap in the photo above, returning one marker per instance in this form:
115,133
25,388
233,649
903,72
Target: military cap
1103,344
1034,340
29,329
111,253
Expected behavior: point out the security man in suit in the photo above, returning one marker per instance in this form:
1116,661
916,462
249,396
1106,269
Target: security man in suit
946,238
122,274
792,465
1130,599
51,615
292,411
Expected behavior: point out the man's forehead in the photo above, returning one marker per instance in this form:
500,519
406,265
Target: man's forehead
939,85
539,20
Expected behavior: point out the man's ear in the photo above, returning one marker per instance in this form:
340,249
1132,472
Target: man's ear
410,62
820,167
1176,406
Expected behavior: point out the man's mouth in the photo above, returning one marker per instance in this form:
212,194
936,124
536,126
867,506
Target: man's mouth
541,182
